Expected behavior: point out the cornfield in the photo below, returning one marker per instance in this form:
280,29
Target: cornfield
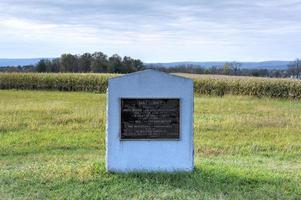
203,84
252,86
55,81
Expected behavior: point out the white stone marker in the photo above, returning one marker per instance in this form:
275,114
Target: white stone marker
149,123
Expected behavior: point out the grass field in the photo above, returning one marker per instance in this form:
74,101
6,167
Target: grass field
52,145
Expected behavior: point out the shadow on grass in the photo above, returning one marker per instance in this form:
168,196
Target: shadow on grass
209,181
200,177
205,182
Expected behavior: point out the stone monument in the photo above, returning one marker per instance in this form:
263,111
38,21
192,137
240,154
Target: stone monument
149,123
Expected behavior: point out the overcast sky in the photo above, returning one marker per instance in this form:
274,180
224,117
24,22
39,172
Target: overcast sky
153,30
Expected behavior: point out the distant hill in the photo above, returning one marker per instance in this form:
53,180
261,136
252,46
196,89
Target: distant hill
250,65
4,62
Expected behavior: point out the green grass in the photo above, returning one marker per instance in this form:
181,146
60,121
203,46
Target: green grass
52,146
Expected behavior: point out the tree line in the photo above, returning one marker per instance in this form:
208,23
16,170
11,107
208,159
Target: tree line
294,69
97,62
234,69
87,62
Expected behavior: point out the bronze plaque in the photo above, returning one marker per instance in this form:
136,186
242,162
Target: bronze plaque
150,118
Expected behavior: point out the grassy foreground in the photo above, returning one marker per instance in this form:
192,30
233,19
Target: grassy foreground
52,145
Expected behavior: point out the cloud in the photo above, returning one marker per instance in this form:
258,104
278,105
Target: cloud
153,30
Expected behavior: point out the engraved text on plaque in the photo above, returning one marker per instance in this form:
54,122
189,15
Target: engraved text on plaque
150,118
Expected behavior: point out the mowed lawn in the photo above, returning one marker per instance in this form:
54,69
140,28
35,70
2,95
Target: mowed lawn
52,146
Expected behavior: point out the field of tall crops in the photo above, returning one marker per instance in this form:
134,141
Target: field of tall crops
89,82
203,84
240,85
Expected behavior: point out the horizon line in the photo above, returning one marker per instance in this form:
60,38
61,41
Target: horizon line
159,62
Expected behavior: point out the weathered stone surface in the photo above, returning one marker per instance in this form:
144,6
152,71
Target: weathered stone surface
150,154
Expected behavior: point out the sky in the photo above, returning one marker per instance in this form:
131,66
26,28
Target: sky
153,30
